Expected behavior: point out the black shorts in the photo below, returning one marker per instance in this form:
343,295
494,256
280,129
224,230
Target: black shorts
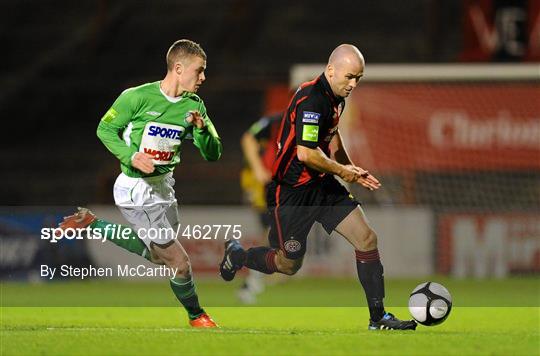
264,219
293,212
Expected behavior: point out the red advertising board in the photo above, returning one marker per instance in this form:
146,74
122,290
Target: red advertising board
488,245
444,126
501,30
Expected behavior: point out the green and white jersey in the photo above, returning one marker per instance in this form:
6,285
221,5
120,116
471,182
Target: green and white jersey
144,119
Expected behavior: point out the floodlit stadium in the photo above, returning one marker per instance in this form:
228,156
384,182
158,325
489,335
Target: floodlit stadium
170,151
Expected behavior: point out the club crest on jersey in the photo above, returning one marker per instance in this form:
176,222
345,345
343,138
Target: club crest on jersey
188,114
161,141
292,246
311,117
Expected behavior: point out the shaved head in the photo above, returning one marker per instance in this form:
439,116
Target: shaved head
346,53
344,69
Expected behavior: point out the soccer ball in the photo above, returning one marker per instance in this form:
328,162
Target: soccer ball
430,303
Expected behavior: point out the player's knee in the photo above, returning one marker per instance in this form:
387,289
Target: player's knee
175,258
183,266
154,258
369,241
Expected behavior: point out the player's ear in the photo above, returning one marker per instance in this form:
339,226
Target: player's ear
178,68
330,70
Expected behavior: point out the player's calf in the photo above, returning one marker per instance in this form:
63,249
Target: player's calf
182,284
262,259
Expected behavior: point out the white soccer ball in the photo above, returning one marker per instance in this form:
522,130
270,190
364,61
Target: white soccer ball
430,303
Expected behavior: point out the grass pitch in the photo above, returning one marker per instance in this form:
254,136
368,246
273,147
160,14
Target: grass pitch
498,326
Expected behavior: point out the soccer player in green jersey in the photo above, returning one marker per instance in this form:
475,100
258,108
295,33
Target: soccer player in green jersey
144,129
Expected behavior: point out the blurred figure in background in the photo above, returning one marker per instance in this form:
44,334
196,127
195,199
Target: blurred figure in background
259,146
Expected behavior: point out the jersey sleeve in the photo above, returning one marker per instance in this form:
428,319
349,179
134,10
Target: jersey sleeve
207,139
308,123
114,122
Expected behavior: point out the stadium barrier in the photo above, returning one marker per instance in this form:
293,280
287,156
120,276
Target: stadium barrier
405,242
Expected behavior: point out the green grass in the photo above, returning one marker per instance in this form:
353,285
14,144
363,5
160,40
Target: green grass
520,292
321,329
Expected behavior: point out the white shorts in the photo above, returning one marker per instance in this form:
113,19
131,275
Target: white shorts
150,206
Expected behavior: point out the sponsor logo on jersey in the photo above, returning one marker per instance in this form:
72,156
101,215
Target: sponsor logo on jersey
161,141
311,117
155,130
310,133
161,156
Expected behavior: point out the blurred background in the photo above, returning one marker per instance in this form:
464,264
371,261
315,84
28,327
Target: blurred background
448,117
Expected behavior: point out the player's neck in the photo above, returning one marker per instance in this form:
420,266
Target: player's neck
171,87
327,76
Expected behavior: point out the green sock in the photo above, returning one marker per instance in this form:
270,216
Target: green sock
184,290
115,232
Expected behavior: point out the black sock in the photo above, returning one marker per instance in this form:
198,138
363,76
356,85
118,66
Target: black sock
370,274
238,257
261,259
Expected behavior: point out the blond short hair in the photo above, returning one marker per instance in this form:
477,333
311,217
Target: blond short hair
182,49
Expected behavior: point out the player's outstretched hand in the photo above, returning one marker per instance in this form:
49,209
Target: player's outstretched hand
143,162
366,179
349,173
195,119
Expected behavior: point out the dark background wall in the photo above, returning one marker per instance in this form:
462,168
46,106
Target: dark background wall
64,63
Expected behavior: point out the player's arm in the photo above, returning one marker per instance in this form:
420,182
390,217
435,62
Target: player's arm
112,124
339,152
251,148
308,125
341,155
316,159
205,136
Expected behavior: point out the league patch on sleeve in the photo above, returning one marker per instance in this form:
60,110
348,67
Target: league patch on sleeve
311,117
109,115
310,133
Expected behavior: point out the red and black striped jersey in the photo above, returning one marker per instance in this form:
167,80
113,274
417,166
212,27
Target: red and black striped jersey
311,120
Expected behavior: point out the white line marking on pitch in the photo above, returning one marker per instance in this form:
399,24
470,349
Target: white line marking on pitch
227,331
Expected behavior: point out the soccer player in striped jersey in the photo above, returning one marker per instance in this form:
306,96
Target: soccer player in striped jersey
304,190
